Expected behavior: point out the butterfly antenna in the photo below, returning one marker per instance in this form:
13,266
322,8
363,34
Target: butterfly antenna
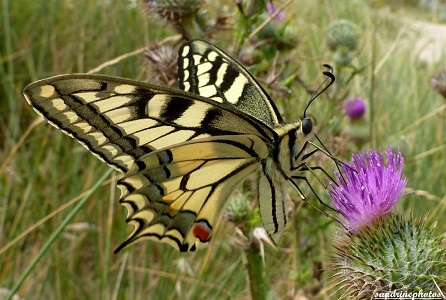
320,90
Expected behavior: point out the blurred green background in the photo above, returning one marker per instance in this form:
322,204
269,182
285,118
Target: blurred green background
391,55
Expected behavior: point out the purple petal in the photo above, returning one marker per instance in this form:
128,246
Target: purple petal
371,187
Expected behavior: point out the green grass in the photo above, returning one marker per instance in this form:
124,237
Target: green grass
44,170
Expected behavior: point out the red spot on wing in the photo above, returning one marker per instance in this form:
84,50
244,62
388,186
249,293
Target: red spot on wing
202,230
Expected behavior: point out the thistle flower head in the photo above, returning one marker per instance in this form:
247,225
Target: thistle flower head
371,187
387,251
354,108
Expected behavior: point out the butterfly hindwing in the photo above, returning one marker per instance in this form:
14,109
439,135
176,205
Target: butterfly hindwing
207,71
177,195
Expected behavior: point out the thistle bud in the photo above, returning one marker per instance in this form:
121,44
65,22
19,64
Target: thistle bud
342,34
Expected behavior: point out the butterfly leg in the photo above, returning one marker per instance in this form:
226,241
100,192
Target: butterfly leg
315,207
311,187
306,168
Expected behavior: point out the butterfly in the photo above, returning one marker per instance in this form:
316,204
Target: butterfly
183,151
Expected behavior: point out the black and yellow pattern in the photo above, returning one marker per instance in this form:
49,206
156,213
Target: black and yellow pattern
182,152
207,71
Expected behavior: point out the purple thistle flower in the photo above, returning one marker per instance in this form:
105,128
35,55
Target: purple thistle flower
370,189
354,108
272,10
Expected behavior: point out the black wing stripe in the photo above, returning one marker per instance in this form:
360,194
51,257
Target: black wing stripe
83,121
174,109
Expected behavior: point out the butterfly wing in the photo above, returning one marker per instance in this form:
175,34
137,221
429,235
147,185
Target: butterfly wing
206,70
121,120
177,195
182,151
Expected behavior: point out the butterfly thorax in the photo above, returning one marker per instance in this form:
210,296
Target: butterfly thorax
287,155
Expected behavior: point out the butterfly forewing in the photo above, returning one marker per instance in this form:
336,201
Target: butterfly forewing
207,71
121,120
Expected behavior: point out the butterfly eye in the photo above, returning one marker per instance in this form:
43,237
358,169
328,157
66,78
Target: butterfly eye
307,126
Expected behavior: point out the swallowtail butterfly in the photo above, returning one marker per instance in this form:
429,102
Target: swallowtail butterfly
182,152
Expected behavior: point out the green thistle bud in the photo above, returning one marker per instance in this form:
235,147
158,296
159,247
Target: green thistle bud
342,34
290,37
282,36
239,209
394,254
342,57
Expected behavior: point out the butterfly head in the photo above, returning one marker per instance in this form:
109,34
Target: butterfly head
303,133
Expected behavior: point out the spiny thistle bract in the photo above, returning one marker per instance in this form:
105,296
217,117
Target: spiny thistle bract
184,15
382,251
393,254
238,209
162,61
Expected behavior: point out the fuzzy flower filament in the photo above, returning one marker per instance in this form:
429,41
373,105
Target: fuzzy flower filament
371,187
